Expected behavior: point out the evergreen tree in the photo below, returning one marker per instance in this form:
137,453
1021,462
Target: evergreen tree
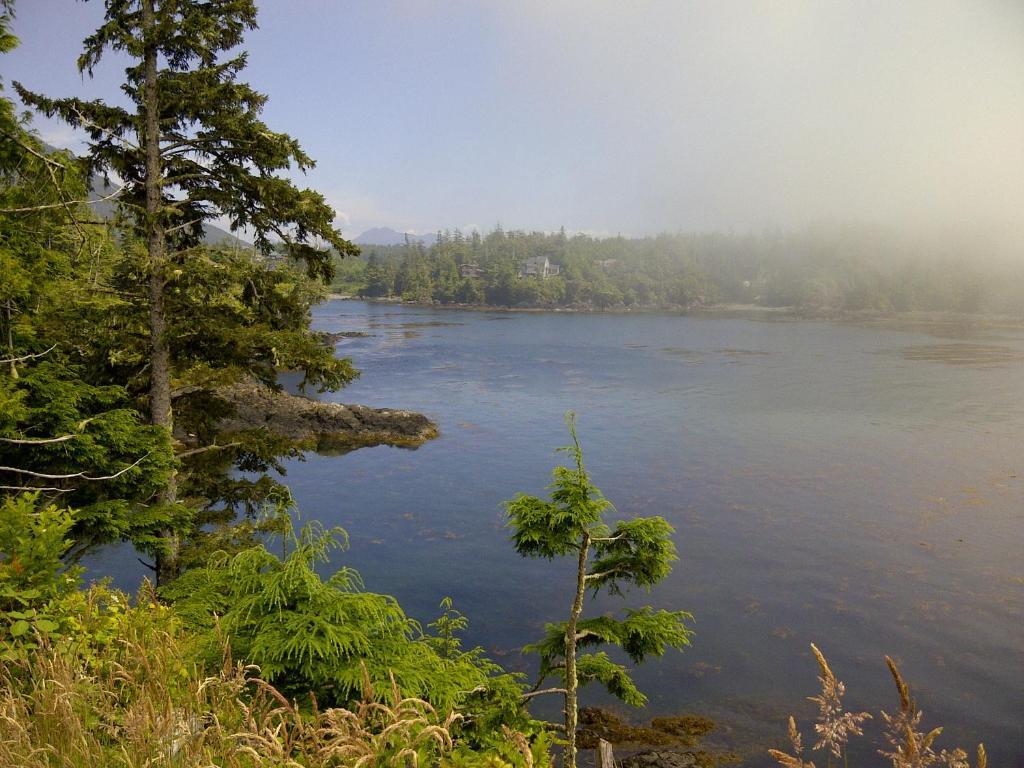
62,433
194,149
639,552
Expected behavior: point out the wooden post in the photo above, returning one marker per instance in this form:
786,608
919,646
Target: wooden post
605,758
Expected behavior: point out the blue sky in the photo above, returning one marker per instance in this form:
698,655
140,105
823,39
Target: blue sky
632,117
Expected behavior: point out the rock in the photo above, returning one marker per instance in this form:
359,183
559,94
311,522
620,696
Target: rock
660,759
320,426
330,339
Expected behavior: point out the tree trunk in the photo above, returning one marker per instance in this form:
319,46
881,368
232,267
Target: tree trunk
159,362
605,756
10,340
571,708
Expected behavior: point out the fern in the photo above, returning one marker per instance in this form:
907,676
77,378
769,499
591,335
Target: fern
310,635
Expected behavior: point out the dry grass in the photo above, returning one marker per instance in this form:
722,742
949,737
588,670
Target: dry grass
141,703
906,745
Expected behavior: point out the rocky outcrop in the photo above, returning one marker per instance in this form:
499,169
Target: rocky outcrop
676,740
320,426
660,759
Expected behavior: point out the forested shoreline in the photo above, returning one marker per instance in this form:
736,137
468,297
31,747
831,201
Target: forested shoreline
818,270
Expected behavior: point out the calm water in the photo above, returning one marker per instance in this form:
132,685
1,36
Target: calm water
824,488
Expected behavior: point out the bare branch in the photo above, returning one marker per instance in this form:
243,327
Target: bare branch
553,726
32,151
65,203
183,226
36,440
86,122
182,391
542,692
32,488
74,476
28,357
205,448
602,574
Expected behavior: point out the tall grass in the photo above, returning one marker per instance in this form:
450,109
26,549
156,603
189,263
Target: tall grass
906,744
142,703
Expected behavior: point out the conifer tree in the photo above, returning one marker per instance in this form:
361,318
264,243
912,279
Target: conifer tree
193,149
61,434
639,552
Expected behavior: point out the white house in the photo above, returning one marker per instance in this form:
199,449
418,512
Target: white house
540,266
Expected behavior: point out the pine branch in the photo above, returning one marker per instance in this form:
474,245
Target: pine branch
32,151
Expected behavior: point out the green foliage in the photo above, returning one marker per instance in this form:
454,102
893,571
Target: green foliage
63,433
638,552
63,429
189,149
310,635
218,157
510,748
125,691
553,528
491,270
33,540
42,610
643,632
447,626
614,677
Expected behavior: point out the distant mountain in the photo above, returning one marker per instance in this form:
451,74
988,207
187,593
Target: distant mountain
212,235
221,237
388,236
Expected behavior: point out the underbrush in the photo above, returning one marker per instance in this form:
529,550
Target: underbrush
125,691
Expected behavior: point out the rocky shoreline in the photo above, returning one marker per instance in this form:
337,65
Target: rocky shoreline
319,426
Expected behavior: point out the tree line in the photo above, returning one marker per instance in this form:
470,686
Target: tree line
815,269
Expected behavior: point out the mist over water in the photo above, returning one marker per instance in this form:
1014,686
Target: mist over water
718,115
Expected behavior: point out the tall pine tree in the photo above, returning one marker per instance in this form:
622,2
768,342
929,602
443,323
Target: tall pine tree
193,149
73,440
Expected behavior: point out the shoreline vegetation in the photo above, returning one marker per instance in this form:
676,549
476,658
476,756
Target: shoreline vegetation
822,272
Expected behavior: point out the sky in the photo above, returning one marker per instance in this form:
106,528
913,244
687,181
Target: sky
625,117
